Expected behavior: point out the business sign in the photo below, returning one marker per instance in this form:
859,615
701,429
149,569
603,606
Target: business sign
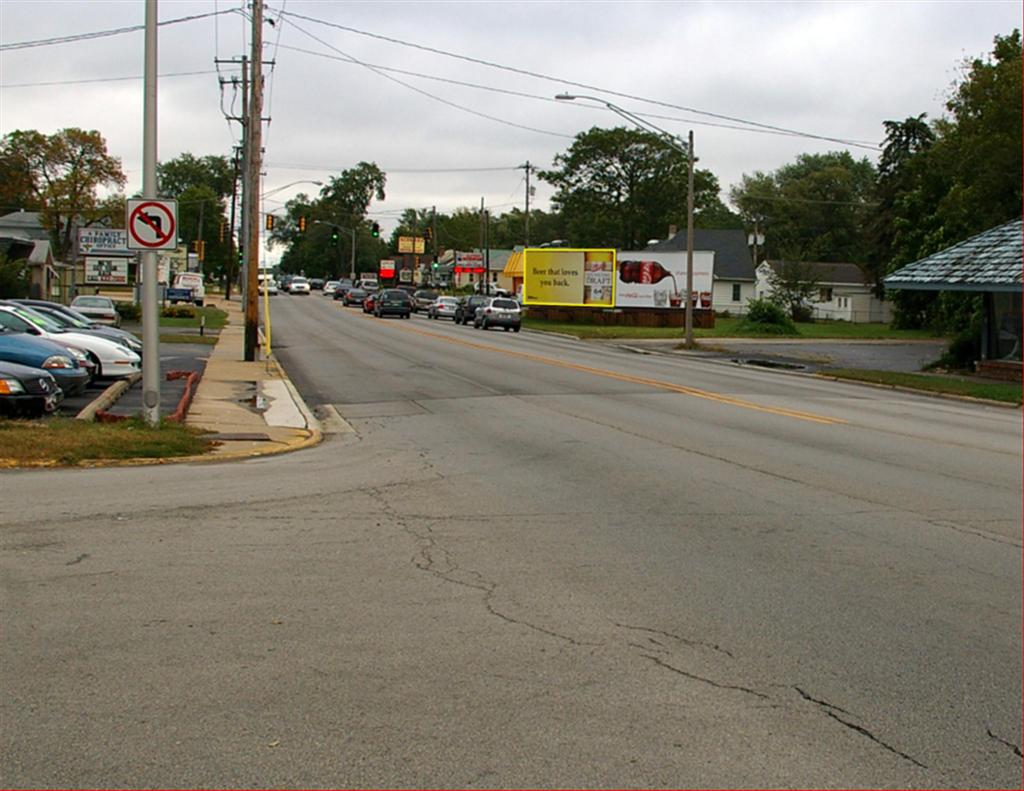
106,270
411,244
103,242
571,277
658,280
152,224
469,264
387,269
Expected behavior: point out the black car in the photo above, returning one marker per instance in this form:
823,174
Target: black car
26,391
316,284
343,287
393,302
354,296
466,311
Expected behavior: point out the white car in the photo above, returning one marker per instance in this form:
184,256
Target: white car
268,286
299,285
99,309
330,287
443,308
113,361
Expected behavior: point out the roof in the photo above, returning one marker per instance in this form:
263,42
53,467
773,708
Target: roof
990,261
732,255
834,273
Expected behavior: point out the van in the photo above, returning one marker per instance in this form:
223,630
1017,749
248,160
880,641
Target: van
194,282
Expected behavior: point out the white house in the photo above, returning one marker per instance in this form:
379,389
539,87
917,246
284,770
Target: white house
843,292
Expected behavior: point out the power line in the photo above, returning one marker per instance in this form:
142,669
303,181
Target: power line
293,166
549,78
47,42
105,79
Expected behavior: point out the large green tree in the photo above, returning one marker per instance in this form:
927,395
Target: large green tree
622,187
61,175
813,209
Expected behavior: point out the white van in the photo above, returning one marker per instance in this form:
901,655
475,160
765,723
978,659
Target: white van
193,281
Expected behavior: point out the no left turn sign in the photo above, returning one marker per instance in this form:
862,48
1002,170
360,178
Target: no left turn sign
152,224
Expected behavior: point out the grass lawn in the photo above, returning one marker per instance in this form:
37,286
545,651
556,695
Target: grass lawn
67,442
933,383
215,319
729,328
209,338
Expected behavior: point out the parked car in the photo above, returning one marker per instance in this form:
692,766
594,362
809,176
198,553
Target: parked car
101,309
443,308
112,359
27,392
316,284
499,312
298,285
393,302
78,322
466,311
54,358
423,299
354,296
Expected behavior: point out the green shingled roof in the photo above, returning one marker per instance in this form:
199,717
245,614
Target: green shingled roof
990,261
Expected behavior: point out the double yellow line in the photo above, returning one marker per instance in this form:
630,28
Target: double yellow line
640,380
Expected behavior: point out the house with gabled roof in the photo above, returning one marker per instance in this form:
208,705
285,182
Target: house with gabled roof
842,291
989,264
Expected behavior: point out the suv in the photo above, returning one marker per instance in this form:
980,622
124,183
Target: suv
499,312
423,299
392,301
466,311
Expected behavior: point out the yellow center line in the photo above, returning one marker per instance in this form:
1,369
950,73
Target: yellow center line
641,380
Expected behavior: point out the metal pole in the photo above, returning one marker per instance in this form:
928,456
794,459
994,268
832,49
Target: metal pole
689,249
527,238
487,253
253,210
150,308
352,275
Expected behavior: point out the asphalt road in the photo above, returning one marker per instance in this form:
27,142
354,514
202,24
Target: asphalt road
535,562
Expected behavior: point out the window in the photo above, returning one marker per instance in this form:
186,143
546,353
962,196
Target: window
825,295
736,289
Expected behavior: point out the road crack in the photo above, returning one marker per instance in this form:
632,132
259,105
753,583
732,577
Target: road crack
865,732
824,703
1011,745
662,663
683,640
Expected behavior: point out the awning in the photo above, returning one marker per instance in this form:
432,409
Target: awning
514,265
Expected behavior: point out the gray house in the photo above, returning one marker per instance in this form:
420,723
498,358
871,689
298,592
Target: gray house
990,264
733,278
843,291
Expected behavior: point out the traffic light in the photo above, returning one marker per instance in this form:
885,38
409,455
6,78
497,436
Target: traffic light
270,222
435,265
200,247
302,224
334,234
223,229
375,230
429,235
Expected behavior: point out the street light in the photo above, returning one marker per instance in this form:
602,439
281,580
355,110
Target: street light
677,144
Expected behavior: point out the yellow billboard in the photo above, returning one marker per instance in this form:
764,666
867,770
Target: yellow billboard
569,276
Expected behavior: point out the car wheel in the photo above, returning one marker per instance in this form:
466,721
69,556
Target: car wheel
97,363
507,329
515,329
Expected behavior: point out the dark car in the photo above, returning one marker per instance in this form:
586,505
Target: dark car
52,357
499,312
27,391
393,302
343,287
354,296
466,311
316,284
71,319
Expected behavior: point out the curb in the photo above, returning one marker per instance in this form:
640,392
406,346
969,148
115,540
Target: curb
911,390
107,398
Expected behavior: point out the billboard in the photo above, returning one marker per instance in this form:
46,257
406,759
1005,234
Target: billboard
106,270
646,279
571,277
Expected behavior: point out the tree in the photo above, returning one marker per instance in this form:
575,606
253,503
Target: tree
791,288
14,278
814,209
66,171
622,187
211,171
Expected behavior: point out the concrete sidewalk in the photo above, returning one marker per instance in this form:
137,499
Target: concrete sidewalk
251,408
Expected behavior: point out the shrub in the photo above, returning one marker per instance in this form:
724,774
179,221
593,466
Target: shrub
801,312
963,350
178,312
128,311
765,316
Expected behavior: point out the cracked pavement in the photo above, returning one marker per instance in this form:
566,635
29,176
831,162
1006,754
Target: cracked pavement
528,580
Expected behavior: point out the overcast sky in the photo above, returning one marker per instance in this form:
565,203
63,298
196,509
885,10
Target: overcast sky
830,69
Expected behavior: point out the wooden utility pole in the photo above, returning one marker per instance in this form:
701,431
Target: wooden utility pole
253,162
526,167
689,249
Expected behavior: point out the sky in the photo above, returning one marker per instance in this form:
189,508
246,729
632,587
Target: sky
377,82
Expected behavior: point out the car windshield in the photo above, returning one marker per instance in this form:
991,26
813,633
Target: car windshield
447,301
299,280
506,304
38,320
63,319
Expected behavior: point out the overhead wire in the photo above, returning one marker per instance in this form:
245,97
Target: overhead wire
586,86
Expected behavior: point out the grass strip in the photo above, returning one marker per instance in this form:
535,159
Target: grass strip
1007,392
730,328
172,337
215,319
67,442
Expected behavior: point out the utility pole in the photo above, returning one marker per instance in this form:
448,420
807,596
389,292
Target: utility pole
243,222
487,252
433,236
689,248
526,167
254,140
150,308
232,255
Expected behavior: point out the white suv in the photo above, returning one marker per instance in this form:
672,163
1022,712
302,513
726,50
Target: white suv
499,312
299,285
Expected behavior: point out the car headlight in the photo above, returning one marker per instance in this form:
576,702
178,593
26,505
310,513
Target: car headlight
57,361
79,355
11,386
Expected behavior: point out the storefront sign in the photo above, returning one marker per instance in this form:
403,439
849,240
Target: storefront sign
106,270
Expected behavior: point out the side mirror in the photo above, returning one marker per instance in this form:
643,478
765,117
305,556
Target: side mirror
33,331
